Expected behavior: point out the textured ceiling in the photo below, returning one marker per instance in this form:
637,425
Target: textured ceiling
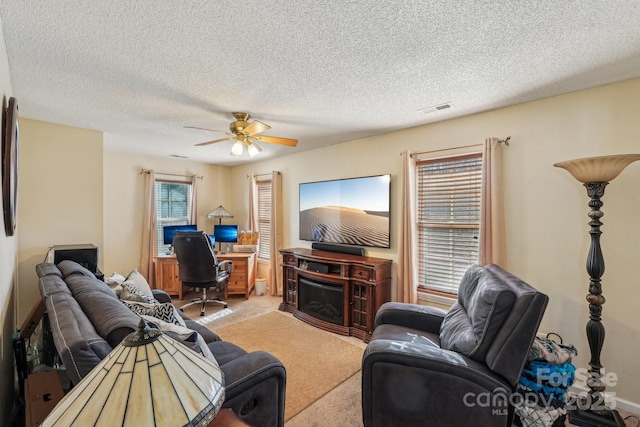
323,72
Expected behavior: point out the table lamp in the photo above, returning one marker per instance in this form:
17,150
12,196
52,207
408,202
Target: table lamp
219,213
147,380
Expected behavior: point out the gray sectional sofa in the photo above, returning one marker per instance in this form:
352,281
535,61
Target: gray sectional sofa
88,320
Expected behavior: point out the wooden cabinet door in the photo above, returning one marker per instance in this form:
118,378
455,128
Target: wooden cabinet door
360,297
172,282
167,276
291,287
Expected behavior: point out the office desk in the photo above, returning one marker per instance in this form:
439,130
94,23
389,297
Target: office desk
241,282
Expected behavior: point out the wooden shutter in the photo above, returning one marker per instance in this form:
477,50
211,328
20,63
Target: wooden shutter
448,216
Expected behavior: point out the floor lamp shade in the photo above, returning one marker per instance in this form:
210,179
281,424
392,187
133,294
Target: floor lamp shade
598,169
595,174
147,380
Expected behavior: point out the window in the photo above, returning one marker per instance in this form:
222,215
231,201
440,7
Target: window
173,207
264,218
448,216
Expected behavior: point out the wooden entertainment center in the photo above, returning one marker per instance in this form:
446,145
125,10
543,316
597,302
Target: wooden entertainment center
336,292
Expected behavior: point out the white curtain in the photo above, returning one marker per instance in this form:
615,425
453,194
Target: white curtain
492,228
253,203
194,200
275,258
149,237
407,289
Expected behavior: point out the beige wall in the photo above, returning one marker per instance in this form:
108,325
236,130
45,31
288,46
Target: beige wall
71,191
546,217
60,200
124,202
8,271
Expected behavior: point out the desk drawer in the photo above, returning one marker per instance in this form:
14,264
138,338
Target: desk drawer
238,266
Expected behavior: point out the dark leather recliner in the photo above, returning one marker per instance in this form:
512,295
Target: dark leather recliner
199,268
429,367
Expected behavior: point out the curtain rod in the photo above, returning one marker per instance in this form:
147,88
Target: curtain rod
500,141
262,174
417,153
148,171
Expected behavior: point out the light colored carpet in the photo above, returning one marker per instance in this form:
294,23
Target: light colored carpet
341,407
238,309
316,361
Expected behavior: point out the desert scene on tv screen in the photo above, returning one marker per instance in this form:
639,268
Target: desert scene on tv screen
362,219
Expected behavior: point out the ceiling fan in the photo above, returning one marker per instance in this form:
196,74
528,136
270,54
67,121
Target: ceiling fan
247,134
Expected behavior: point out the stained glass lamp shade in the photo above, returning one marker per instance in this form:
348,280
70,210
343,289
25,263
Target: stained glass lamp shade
219,213
147,380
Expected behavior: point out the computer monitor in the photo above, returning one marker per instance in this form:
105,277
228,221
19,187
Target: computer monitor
169,230
225,233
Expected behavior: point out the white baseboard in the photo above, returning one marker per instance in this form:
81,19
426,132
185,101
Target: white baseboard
622,404
627,405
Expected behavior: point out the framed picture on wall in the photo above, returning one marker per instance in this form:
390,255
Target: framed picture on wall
10,166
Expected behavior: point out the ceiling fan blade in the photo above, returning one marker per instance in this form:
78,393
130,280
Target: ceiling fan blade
256,127
278,140
215,140
212,130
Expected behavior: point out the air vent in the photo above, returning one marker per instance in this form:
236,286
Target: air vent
435,108
178,156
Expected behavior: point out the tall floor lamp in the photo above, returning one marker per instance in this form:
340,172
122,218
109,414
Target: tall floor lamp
595,173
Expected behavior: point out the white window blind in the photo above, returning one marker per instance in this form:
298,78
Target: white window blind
173,207
448,216
264,218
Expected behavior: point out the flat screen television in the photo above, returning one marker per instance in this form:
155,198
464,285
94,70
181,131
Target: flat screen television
225,233
352,211
169,230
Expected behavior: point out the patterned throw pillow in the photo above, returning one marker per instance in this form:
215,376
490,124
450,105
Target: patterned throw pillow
132,293
115,279
164,312
115,283
136,279
186,336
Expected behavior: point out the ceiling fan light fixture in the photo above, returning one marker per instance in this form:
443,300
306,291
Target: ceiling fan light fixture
246,133
236,149
253,148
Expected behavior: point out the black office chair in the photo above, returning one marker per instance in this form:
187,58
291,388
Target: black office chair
199,268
